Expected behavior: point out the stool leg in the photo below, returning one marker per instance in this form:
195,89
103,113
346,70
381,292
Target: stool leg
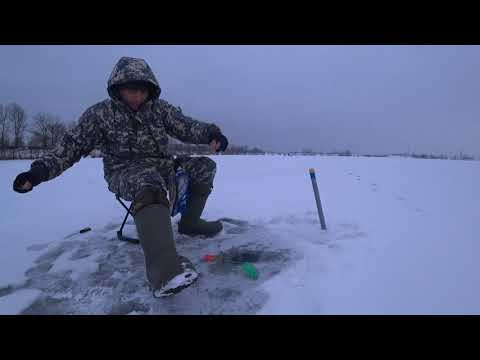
120,232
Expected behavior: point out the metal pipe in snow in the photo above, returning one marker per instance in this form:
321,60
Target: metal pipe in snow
317,199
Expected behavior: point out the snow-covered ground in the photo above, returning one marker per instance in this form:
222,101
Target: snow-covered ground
402,238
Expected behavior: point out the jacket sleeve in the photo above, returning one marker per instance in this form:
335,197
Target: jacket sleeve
184,128
78,142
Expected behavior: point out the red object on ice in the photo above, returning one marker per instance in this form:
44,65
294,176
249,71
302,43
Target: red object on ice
209,258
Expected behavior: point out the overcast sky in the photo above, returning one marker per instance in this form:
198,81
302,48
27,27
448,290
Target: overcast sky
373,99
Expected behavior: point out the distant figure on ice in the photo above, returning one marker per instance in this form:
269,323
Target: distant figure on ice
131,130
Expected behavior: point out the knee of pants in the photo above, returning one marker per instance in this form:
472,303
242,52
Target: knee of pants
207,163
148,196
208,167
201,170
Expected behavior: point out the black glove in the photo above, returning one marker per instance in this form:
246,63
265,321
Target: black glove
35,176
219,137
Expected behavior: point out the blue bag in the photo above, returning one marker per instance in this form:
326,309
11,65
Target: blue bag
180,204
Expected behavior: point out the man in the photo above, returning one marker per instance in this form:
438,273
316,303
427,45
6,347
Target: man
131,130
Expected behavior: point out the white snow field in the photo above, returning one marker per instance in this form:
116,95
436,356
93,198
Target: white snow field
402,238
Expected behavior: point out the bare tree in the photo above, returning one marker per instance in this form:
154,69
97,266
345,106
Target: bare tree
42,123
47,130
18,119
56,131
4,127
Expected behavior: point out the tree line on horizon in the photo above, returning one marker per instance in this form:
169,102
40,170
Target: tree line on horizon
24,137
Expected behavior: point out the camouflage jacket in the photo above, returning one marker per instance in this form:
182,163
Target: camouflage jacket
126,137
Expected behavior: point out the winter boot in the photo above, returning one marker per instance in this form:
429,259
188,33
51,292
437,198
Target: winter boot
190,223
167,272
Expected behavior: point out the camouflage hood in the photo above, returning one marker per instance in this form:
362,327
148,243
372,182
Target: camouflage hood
130,69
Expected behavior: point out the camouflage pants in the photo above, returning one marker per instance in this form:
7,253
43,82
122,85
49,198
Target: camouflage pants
131,180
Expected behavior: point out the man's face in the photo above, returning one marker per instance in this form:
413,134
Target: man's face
133,96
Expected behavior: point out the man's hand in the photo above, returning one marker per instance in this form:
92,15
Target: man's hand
22,183
25,181
214,146
218,142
